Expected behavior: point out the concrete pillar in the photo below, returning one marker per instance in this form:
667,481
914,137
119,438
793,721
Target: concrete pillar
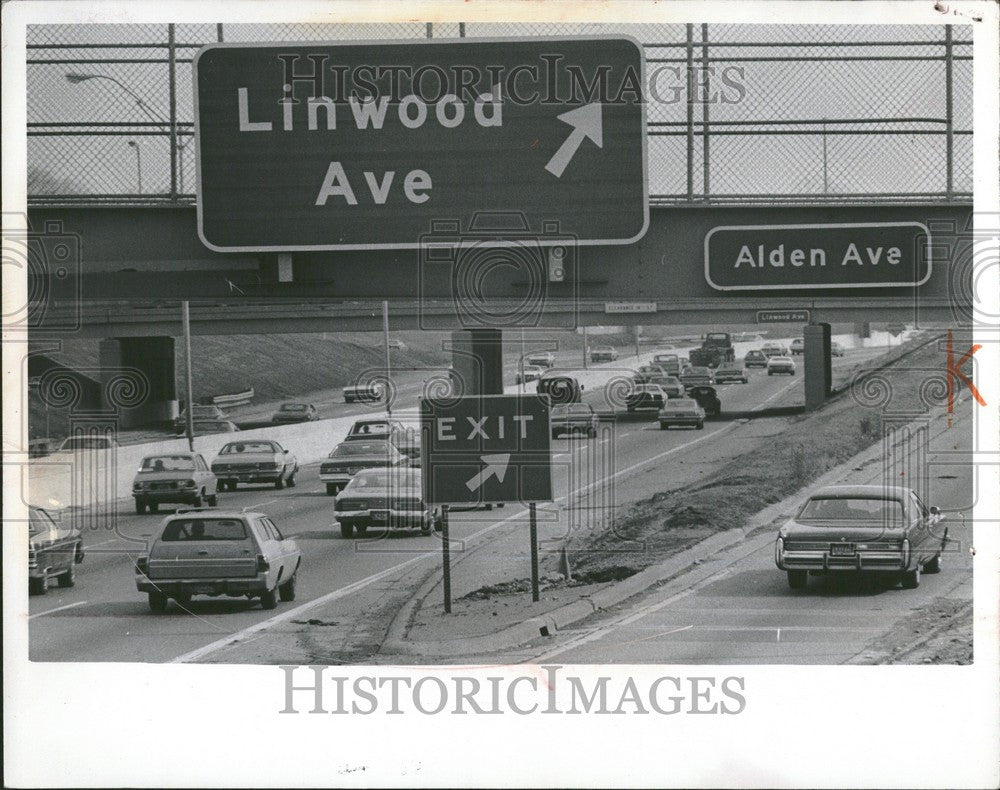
863,329
146,393
818,371
477,361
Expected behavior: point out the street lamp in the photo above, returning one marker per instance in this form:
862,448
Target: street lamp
75,78
138,162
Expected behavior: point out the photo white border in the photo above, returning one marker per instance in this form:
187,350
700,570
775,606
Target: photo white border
181,725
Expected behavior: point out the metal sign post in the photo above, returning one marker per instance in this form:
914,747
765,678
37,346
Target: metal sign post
446,558
533,529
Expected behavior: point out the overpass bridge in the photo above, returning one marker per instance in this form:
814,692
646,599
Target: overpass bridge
136,263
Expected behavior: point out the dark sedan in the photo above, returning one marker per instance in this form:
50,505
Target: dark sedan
574,418
862,528
731,373
294,412
684,412
55,547
350,457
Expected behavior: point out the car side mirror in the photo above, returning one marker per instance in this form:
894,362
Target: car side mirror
285,452
935,510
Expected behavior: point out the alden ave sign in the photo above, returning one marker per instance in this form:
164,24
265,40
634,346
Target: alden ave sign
783,257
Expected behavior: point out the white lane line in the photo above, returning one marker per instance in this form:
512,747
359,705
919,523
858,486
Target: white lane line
778,636
782,391
665,633
57,609
361,584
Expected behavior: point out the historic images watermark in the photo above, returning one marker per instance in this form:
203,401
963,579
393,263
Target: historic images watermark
547,690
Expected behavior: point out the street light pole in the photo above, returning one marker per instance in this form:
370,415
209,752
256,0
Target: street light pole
138,162
388,371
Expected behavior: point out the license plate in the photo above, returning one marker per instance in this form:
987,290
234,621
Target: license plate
202,590
245,477
842,549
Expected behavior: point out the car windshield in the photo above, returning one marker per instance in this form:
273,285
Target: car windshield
852,509
293,407
211,425
672,380
167,463
204,529
377,478
737,371
360,448
235,448
680,404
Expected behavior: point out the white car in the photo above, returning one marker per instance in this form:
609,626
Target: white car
780,365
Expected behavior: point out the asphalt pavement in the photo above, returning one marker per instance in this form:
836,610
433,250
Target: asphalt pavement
104,618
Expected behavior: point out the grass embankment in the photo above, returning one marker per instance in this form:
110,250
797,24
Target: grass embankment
763,474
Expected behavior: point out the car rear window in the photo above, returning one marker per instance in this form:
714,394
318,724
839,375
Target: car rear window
167,463
360,448
382,479
235,448
293,407
852,509
197,529
374,428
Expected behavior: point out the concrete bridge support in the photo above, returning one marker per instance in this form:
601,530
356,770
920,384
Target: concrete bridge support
817,364
477,361
147,393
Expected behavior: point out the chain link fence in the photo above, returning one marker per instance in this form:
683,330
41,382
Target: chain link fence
736,113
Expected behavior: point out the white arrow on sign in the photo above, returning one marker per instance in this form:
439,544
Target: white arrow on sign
586,122
495,465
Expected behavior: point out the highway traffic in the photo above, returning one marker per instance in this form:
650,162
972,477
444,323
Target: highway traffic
105,618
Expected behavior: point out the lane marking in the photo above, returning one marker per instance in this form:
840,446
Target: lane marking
57,609
361,584
665,633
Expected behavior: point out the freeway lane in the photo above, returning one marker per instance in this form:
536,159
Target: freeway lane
105,619
738,609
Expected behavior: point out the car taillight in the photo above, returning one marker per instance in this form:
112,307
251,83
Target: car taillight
779,550
262,564
906,552
32,559
142,565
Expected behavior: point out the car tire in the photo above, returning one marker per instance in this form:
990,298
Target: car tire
362,530
184,599
287,590
346,530
426,527
438,524
68,577
154,507
140,506
233,485
279,484
290,482
910,579
78,554
38,586
158,602
770,373
700,426
331,489
213,500
933,565
798,580
269,600
198,500
348,400
592,433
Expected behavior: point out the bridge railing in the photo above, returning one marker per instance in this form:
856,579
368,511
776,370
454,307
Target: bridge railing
737,113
